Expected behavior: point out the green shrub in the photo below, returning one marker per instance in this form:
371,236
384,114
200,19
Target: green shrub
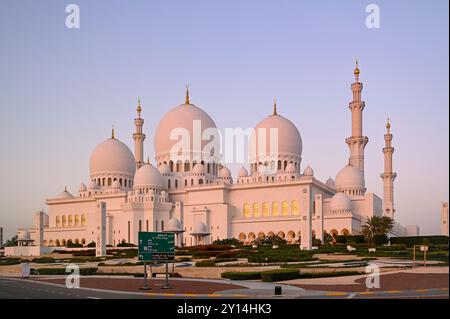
62,271
91,244
43,260
84,253
9,261
341,239
355,239
420,240
209,247
279,275
205,263
227,241
182,259
241,275
381,240
205,254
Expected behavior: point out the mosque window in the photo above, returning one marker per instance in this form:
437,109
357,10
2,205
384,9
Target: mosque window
265,209
279,165
207,168
176,183
83,220
58,221
64,221
77,220
200,181
246,210
146,225
255,210
192,182
140,225
284,208
186,166
103,181
168,184
109,181
285,164
275,209
120,181
185,182
129,227
178,166
171,166
295,208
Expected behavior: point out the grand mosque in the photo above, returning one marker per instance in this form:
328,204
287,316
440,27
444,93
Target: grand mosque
198,198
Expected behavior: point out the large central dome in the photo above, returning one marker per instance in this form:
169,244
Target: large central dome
182,117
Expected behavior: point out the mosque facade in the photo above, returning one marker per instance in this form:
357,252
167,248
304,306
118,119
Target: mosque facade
198,198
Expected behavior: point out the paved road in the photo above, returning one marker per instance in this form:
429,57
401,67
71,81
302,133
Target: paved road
13,288
27,289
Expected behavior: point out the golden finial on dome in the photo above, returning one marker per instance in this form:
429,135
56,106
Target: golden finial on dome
356,71
139,109
113,135
274,106
187,95
388,124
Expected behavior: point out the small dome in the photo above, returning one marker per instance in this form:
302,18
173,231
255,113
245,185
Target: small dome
200,228
330,182
148,176
340,203
24,235
82,188
65,194
164,168
199,168
308,171
224,173
93,185
112,157
349,177
243,172
290,168
173,225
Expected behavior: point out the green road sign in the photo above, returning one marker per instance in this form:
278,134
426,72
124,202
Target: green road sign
155,246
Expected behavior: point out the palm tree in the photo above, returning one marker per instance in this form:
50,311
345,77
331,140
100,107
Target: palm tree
376,225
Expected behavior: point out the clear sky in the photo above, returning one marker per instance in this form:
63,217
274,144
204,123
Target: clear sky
61,89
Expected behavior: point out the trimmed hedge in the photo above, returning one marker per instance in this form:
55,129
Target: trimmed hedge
205,263
331,274
279,275
43,260
381,240
241,275
62,271
420,240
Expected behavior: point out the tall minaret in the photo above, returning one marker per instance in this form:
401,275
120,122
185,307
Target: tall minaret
357,142
388,176
139,137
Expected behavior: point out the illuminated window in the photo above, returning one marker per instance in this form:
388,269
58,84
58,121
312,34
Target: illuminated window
265,209
58,221
64,222
275,209
295,209
255,210
246,210
83,220
284,208
77,220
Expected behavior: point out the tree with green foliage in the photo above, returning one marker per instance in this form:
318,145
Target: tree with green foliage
270,240
12,242
376,226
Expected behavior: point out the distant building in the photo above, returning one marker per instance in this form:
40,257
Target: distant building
444,219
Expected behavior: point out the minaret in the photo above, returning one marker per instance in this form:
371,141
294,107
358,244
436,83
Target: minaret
388,176
357,142
139,138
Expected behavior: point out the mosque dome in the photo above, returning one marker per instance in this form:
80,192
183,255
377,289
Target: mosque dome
112,157
200,228
182,117
289,139
148,176
24,235
330,182
224,173
82,188
243,172
199,168
308,171
173,225
349,177
164,168
340,203
64,194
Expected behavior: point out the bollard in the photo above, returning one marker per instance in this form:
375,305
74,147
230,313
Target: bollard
277,290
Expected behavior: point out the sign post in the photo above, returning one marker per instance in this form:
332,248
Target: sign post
156,246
